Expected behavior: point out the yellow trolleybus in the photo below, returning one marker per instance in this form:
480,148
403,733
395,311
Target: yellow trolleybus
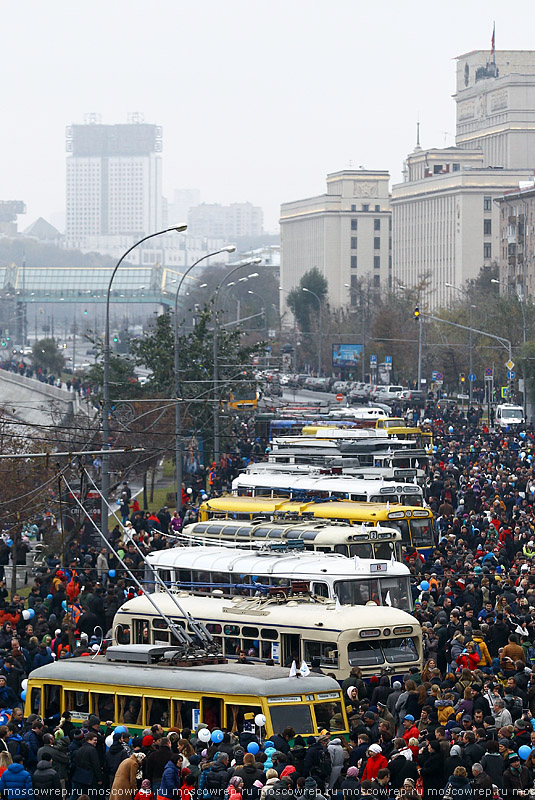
142,685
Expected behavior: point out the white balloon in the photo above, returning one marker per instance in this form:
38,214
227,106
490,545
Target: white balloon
25,614
109,740
24,683
204,735
260,720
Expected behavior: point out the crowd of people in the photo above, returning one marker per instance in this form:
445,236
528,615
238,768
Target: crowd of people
461,727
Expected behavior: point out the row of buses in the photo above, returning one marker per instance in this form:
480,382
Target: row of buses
302,564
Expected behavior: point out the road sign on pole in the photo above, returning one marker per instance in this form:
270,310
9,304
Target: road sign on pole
509,364
373,359
510,375
489,372
388,359
339,397
471,377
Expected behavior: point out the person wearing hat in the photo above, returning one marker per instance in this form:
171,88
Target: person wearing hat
374,762
350,786
410,731
432,769
516,777
317,762
118,751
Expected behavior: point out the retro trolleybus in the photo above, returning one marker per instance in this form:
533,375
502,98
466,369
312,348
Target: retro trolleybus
320,536
142,685
352,581
285,628
415,524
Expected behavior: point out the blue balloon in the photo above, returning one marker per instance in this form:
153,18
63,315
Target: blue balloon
424,586
269,751
120,729
524,751
111,573
49,597
269,743
31,611
64,605
9,542
23,697
253,748
217,736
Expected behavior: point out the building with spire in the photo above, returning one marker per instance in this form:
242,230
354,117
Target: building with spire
445,222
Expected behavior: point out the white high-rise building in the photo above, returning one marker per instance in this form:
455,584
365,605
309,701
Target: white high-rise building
225,222
445,222
114,185
345,233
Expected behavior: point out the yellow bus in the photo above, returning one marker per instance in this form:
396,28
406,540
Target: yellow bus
416,525
141,685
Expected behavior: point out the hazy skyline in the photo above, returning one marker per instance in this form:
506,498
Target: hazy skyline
257,100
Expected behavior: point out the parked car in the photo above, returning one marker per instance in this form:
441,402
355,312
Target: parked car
387,394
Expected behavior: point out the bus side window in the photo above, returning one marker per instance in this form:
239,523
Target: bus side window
211,711
320,589
157,711
35,703
52,704
342,549
129,709
76,701
122,634
241,718
141,631
186,713
103,705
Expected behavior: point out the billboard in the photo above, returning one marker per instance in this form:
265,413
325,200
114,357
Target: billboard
347,355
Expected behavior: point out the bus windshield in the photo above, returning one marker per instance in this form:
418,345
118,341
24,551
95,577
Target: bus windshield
422,532
394,591
394,651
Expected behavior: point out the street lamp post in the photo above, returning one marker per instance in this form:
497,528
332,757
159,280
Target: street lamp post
471,366
405,289
363,325
294,359
216,353
178,438
106,378
263,310
309,291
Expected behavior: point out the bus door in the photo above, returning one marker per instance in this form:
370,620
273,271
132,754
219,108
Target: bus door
290,646
212,711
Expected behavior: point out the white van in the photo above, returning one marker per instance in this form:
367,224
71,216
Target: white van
386,394
509,414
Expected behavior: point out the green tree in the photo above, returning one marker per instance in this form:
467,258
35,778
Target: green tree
156,353
47,355
304,305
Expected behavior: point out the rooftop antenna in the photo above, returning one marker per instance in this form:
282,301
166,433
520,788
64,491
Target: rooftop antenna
418,133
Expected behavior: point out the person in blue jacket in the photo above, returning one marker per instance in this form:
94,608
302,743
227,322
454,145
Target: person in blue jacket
16,782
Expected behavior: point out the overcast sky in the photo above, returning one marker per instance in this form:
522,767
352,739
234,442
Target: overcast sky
258,99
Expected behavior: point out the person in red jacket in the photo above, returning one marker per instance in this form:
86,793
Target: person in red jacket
374,763
410,728
469,658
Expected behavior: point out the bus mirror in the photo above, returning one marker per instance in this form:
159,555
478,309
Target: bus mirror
332,655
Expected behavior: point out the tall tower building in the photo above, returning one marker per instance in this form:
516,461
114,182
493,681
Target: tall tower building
113,182
495,97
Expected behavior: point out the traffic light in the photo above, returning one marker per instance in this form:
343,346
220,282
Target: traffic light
115,339
416,313
4,344
461,376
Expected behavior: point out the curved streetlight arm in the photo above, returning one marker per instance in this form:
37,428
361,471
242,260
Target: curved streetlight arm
106,376
216,354
309,291
178,438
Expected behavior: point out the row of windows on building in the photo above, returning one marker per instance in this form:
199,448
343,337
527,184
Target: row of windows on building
376,224
376,243
376,262
366,207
